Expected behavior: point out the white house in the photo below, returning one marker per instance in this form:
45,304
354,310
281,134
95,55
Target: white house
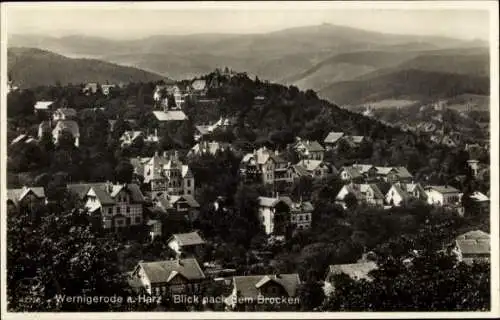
400,193
443,195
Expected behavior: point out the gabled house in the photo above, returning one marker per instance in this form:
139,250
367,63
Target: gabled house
307,149
165,174
169,277
355,271
331,139
400,193
369,173
187,245
472,246
119,205
64,114
443,195
394,174
369,194
183,207
130,137
267,167
211,148
354,141
25,197
254,292
315,168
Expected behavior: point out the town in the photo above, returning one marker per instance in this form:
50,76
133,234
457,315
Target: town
231,191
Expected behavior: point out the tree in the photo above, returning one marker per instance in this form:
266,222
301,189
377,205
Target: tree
428,282
124,172
60,255
311,295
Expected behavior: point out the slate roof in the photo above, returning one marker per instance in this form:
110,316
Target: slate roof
358,189
171,115
248,286
16,195
355,271
474,246
300,170
353,172
105,194
190,200
311,165
19,138
311,146
188,239
271,202
43,105
303,207
475,234
164,271
69,125
333,137
444,189
479,197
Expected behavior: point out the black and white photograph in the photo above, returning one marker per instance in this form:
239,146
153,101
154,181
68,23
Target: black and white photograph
241,159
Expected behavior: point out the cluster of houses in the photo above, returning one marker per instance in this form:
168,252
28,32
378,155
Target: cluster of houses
164,188
60,120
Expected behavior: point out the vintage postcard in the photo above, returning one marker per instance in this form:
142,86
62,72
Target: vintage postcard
249,160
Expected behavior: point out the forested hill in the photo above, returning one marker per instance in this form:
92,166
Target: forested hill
29,67
283,113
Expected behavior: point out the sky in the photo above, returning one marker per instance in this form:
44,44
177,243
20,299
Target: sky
133,20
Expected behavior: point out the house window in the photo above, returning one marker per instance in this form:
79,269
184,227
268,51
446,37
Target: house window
128,209
110,210
137,219
128,222
189,183
118,210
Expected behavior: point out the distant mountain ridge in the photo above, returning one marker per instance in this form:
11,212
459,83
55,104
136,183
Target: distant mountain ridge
30,67
336,61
